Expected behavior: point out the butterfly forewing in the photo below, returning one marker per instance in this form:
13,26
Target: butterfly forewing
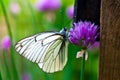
28,46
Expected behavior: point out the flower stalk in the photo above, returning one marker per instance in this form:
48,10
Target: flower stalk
11,37
6,65
34,22
82,67
6,19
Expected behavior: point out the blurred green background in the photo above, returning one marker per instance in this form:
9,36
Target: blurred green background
29,21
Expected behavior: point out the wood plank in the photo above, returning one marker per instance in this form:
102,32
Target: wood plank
109,61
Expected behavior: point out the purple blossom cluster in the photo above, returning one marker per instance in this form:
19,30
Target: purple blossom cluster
6,43
84,34
26,76
70,11
48,5
14,8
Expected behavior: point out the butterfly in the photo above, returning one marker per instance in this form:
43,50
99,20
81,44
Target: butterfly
48,49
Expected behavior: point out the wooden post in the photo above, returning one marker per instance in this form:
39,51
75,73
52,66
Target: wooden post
109,61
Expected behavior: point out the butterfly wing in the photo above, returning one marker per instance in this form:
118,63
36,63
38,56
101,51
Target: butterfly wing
56,58
48,49
35,47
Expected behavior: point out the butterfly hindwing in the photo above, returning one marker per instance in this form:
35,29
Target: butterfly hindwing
56,62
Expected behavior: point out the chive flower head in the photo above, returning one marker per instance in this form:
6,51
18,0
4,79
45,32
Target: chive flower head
6,43
84,34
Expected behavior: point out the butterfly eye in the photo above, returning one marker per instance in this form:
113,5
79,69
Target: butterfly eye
65,29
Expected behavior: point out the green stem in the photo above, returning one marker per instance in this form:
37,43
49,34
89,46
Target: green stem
1,70
6,66
0,76
35,27
6,19
13,62
82,67
11,37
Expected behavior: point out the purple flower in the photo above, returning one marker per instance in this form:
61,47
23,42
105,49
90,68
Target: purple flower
6,43
83,34
70,11
26,76
48,5
14,8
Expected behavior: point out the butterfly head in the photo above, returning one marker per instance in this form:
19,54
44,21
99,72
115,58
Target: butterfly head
64,31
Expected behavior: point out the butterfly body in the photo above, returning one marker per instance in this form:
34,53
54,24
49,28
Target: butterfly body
48,50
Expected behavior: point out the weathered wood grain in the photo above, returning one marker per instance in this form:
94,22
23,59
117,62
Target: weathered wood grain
109,61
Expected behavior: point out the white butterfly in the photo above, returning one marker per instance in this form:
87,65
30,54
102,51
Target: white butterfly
48,50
